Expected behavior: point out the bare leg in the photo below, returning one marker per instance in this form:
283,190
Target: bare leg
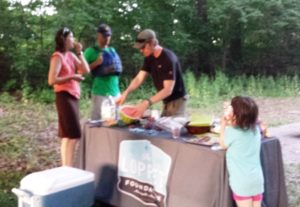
245,203
256,203
67,149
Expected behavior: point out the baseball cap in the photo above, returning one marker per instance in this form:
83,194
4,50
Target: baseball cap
104,29
144,37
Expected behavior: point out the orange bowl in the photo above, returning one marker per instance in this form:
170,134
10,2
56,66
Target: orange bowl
197,129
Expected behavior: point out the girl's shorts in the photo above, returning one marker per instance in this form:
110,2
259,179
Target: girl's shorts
257,197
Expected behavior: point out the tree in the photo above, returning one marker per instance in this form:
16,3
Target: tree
238,36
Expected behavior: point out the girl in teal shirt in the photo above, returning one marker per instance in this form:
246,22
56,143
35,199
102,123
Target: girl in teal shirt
241,137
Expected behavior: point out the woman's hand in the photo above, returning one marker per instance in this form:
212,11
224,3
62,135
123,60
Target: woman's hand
81,65
264,129
77,77
78,47
228,115
222,133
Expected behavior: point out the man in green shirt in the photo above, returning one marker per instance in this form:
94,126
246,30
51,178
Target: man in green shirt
105,84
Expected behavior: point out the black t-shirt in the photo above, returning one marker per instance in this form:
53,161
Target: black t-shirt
165,67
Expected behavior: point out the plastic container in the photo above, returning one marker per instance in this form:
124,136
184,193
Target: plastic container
62,186
108,109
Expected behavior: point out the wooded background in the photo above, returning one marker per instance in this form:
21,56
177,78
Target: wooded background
252,37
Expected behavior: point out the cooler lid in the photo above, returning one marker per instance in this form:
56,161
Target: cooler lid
55,180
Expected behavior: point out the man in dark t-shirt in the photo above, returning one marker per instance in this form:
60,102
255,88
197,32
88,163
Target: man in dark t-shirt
164,67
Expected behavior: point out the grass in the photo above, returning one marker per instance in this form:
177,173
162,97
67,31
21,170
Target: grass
28,126
205,91
9,180
293,181
25,145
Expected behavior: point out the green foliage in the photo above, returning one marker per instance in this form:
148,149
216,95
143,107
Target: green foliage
24,145
10,85
260,34
44,95
26,90
191,82
210,91
9,180
146,90
237,37
6,98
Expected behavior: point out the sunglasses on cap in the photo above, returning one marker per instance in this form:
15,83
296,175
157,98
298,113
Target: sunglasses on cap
65,31
140,40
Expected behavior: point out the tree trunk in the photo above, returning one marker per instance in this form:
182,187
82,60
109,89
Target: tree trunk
202,9
42,33
203,62
235,43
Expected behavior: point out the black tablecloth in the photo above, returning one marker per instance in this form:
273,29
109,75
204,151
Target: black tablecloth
271,158
197,178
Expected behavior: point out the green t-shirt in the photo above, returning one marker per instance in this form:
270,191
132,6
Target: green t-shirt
104,85
243,161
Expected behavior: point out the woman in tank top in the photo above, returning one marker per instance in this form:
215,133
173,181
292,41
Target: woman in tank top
65,74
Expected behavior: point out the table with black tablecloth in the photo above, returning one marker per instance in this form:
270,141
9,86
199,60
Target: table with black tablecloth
197,177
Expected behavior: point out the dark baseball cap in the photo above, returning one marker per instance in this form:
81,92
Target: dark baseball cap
105,30
144,37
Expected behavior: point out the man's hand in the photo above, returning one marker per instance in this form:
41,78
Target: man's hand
121,99
99,60
140,109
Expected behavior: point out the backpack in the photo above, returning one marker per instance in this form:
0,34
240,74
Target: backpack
111,64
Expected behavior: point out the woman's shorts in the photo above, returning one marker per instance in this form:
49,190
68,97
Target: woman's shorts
257,197
68,115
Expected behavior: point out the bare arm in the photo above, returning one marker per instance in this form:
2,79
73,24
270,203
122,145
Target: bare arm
134,84
55,67
222,135
80,62
165,92
97,62
160,95
228,119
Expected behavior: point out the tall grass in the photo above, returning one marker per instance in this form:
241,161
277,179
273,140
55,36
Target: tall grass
205,91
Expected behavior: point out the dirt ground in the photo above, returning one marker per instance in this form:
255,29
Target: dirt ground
283,118
279,111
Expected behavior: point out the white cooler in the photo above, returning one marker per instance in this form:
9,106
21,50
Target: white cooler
57,187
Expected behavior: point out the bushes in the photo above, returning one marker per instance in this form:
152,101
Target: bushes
205,90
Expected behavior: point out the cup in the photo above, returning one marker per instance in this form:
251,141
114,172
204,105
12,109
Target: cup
176,132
